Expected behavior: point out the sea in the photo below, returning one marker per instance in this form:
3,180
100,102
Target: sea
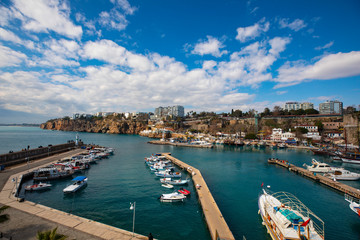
234,176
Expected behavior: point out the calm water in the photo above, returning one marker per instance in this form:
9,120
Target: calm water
234,176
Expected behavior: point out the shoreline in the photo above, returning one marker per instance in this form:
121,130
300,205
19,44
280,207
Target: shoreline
158,142
78,226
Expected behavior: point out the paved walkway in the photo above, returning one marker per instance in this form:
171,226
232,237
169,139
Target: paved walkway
27,218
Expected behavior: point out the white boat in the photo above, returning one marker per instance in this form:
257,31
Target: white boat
38,186
51,173
286,217
167,185
354,206
168,174
343,174
79,182
174,182
320,167
172,197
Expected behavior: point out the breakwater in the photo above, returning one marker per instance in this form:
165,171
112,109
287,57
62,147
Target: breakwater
318,178
216,223
180,144
25,155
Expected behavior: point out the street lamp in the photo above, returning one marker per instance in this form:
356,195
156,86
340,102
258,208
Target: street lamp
132,207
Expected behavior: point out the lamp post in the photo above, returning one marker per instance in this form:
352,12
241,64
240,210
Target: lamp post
132,207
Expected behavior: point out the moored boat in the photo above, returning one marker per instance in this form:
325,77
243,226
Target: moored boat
354,206
51,173
167,185
319,167
343,174
38,186
172,197
174,182
286,217
79,182
184,191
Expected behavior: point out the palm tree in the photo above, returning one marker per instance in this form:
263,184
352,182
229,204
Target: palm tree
4,217
50,235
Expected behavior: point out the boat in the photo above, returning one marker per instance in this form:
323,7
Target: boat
174,182
51,173
79,182
343,174
321,151
38,186
286,217
319,167
282,146
172,197
184,191
354,206
351,158
167,185
168,174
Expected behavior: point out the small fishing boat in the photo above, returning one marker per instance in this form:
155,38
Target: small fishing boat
51,173
167,185
172,197
286,217
343,174
320,167
79,182
354,206
184,191
38,186
168,174
174,182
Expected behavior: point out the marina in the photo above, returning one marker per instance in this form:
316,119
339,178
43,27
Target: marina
318,178
233,175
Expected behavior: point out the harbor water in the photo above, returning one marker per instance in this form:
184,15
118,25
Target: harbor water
233,174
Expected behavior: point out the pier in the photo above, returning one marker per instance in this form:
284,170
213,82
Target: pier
346,189
31,217
215,221
177,144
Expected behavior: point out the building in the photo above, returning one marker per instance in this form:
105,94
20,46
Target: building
331,107
332,125
174,111
296,106
276,134
310,128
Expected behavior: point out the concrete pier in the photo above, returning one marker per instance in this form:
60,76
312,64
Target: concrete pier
35,217
215,221
318,178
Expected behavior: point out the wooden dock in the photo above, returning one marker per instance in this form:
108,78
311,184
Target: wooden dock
215,221
354,192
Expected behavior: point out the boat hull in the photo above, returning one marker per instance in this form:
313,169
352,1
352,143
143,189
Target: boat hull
349,160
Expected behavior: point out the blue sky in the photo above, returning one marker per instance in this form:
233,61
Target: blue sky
61,57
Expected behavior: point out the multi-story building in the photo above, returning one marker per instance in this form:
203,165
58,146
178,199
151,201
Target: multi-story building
175,111
331,107
296,106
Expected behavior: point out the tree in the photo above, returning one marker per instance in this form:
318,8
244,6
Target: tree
311,111
266,112
250,136
4,217
50,235
277,111
320,125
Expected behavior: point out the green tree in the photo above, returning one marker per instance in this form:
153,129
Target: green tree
50,235
311,111
4,217
250,136
266,112
320,125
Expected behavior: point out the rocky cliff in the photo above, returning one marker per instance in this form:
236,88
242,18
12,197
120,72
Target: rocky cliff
96,126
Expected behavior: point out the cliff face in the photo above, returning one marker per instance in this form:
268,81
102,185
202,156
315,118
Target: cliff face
98,126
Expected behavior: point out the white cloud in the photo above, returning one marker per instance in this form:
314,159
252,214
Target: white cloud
9,57
247,33
326,46
281,92
42,16
339,65
11,37
210,46
296,25
116,17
